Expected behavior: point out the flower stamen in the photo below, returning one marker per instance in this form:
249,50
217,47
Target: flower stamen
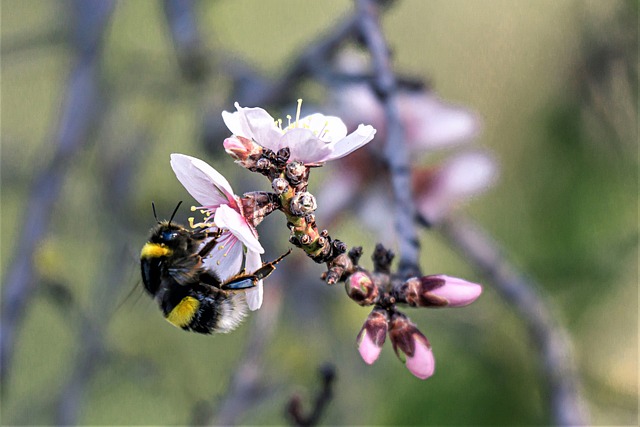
298,111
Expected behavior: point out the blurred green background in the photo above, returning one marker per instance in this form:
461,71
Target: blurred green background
556,85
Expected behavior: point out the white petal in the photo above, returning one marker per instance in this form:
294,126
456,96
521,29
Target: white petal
226,217
254,123
237,124
327,128
254,295
226,257
263,128
351,142
304,146
204,183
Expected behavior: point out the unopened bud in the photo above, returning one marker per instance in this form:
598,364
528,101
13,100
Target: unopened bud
280,185
438,291
303,203
283,154
411,346
240,148
295,171
263,164
361,289
372,335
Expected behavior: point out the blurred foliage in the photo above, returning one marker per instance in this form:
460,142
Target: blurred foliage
556,83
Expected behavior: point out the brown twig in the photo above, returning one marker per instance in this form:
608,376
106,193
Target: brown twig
323,397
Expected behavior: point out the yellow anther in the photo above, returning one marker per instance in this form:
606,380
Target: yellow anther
193,208
289,119
191,224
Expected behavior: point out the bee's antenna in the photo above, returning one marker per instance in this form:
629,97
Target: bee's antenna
174,212
153,206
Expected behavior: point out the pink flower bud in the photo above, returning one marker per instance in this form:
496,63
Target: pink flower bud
422,364
240,148
372,335
457,292
438,291
361,289
411,346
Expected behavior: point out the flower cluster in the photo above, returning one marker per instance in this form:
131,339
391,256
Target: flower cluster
285,154
385,292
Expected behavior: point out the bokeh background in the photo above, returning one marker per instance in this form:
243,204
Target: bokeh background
556,85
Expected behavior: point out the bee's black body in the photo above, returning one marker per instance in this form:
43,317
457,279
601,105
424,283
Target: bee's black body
190,296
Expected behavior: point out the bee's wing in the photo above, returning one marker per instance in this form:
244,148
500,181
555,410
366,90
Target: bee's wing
254,295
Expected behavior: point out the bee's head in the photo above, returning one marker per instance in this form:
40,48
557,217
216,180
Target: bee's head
167,235
167,241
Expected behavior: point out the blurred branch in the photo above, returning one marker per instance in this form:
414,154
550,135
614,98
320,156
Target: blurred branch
191,53
385,87
80,113
294,408
45,38
118,172
549,337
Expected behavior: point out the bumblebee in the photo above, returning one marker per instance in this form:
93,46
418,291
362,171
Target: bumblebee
190,296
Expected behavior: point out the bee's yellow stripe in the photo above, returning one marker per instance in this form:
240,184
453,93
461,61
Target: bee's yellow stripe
182,313
154,250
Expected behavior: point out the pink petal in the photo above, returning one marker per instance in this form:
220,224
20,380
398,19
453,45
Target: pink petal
226,257
351,142
226,217
204,183
459,179
373,334
422,363
432,123
254,296
367,348
458,292
236,147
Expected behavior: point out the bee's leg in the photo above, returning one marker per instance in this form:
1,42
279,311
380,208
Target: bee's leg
208,247
268,268
240,283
